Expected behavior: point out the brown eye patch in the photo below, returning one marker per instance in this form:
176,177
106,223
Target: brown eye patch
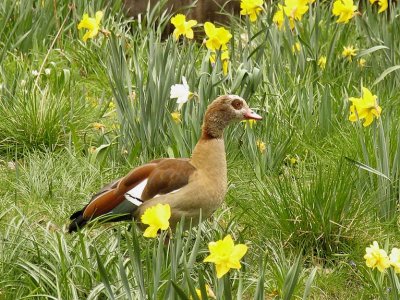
237,104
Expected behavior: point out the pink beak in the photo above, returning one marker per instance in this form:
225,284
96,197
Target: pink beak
252,115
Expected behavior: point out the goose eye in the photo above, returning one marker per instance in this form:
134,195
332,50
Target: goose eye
237,104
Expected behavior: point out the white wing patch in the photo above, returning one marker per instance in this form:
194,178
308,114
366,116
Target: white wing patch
132,200
136,192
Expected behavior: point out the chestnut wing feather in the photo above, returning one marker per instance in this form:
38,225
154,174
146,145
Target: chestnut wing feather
110,198
170,175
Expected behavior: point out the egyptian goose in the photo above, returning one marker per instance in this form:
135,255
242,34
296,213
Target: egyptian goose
187,185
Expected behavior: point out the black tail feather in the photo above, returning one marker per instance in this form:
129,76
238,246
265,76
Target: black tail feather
77,221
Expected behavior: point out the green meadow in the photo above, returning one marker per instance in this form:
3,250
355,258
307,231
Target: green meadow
309,186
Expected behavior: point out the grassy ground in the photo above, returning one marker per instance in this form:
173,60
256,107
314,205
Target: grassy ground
75,115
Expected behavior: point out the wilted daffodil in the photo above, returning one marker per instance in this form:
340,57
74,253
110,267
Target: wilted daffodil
92,24
218,37
251,8
394,258
344,9
182,27
365,107
225,255
157,217
322,62
383,4
376,257
295,9
181,92
176,117
349,52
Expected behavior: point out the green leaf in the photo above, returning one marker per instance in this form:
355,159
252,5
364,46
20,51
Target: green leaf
367,168
103,275
370,50
385,73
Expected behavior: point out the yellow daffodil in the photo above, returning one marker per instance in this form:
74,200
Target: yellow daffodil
383,4
98,126
322,62
209,291
365,107
224,59
181,92
176,117
225,255
295,9
182,27
291,160
349,52
92,24
250,123
394,258
218,37
376,257
279,17
344,9
157,217
296,48
251,8
362,62
261,146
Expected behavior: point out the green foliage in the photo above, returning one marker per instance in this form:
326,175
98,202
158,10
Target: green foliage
305,212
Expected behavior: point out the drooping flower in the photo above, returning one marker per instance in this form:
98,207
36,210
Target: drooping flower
295,9
394,258
362,62
224,59
376,257
176,117
218,37
261,146
225,255
344,9
181,92
251,8
92,24
182,27
383,4
322,62
157,217
365,107
349,52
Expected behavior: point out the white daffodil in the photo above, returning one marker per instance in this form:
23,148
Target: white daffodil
181,92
